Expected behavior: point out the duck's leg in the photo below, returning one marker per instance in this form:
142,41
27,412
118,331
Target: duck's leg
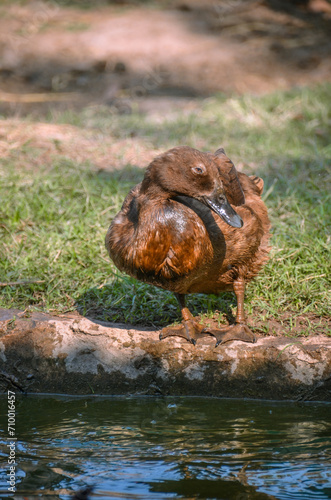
238,331
189,329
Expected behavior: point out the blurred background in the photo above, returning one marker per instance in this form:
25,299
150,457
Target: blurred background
70,53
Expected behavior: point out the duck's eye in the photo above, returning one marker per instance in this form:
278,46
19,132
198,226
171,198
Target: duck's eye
198,170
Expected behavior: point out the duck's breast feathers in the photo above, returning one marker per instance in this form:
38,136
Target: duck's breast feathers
157,241
172,244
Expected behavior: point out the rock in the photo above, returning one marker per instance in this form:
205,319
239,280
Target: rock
74,355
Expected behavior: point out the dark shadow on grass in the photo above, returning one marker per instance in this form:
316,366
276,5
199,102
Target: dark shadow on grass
126,300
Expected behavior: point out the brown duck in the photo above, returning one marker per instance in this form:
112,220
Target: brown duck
178,229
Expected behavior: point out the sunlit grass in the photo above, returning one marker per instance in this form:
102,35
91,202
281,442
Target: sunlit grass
53,218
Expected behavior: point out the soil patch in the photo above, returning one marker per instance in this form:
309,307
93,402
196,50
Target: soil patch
60,57
52,141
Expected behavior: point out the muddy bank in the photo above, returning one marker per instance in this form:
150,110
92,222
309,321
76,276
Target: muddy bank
74,355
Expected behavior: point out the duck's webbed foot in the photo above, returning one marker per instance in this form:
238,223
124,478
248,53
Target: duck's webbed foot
238,331
189,330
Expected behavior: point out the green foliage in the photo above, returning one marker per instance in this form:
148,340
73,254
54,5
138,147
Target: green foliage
53,219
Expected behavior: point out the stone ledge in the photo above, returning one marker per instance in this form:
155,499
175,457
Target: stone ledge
74,355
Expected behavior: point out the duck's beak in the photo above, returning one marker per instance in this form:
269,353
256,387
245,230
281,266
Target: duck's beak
218,202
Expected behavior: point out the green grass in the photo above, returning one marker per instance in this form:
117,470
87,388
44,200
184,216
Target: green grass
53,218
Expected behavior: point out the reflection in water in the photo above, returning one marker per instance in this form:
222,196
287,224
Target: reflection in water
163,448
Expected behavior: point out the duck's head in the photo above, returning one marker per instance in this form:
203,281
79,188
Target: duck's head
210,179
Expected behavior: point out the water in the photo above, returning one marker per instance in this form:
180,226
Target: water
166,448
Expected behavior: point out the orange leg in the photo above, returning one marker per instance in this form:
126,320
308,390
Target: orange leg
239,290
238,331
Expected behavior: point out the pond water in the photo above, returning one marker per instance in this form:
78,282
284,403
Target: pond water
166,448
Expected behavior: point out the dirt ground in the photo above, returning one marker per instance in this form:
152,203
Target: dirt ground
171,51
159,57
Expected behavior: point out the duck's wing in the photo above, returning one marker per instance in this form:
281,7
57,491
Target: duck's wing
121,232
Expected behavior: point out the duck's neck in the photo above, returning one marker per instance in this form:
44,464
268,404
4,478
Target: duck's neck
154,191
